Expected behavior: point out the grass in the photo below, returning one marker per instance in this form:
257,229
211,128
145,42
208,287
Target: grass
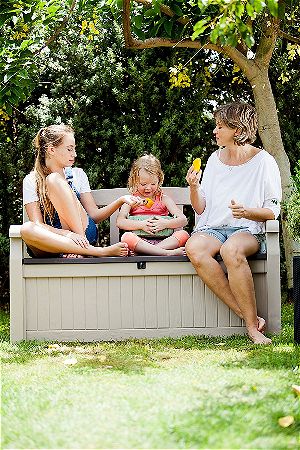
192,392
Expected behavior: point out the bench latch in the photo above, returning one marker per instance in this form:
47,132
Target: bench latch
141,265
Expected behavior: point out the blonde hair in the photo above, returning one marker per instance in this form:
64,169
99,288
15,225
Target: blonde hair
49,136
151,165
241,116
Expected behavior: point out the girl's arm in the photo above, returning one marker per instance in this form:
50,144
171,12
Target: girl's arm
197,201
100,214
130,225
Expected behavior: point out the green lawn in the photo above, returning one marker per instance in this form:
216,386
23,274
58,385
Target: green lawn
192,392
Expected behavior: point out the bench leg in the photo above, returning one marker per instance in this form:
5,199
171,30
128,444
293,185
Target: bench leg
17,331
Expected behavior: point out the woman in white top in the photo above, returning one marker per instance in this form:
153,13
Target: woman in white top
58,201
239,191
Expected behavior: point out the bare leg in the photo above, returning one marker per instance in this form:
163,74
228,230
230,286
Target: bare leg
145,248
70,211
44,242
234,253
138,245
169,243
201,249
178,239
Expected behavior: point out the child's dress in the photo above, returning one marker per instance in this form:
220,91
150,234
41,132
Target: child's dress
157,209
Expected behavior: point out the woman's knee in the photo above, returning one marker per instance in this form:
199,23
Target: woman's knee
196,254
232,255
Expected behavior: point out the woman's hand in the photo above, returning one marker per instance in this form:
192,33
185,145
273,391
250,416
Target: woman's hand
132,200
158,224
238,211
78,239
193,177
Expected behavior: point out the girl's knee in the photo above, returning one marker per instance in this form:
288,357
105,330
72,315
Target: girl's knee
182,236
131,240
54,181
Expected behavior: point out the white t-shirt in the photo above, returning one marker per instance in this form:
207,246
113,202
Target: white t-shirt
255,184
80,181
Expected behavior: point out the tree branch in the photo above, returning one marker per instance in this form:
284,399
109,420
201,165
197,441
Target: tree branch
288,37
237,57
58,30
267,41
131,42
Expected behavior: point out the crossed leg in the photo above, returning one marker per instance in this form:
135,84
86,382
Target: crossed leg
138,245
237,292
43,240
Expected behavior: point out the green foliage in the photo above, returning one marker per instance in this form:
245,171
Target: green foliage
293,206
25,27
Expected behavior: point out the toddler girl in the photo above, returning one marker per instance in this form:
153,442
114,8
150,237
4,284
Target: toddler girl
152,223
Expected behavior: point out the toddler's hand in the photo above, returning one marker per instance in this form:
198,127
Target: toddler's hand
158,224
146,225
193,177
238,211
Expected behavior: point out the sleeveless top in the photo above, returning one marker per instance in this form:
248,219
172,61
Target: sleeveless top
157,209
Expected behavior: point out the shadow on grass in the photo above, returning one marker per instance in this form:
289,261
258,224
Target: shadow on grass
233,419
135,355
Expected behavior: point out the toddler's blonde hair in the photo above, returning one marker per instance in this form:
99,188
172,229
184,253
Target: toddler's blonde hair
151,165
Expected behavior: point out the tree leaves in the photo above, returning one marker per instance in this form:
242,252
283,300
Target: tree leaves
228,21
25,27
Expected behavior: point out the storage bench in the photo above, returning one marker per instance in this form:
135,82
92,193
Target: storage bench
113,298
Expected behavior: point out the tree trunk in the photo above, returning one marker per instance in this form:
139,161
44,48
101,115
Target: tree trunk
270,135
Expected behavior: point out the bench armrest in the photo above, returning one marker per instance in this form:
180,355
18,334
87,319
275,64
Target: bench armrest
15,231
272,226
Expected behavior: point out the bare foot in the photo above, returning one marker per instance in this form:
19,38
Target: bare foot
72,255
261,324
119,249
257,337
177,251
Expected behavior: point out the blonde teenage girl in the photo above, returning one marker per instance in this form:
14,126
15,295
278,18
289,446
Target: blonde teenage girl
58,201
154,212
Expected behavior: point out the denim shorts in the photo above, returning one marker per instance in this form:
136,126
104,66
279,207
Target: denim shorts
91,232
224,233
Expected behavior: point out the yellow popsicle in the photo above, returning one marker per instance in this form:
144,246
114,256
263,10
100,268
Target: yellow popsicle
197,164
148,202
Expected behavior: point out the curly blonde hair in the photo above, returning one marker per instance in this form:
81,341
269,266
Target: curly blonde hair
151,165
49,136
239,115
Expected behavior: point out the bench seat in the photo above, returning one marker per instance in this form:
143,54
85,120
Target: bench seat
113,298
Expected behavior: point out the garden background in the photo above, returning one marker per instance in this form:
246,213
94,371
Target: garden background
66,62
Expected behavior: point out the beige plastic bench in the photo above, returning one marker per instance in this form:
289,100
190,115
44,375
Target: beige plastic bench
115,298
